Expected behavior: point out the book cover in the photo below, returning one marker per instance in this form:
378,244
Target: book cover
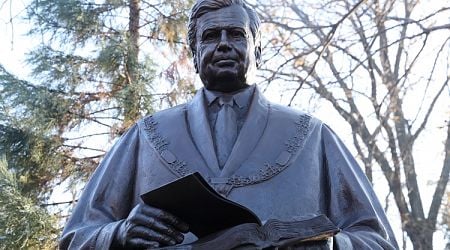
195,202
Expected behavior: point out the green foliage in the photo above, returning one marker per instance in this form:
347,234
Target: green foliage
88,53
31,131
36,159
70,20
88,71
90,77
172,25
37,107
24,224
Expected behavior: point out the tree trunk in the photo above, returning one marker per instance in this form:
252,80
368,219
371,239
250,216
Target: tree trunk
421,236
132,98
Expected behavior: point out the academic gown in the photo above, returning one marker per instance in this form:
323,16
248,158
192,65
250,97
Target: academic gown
284,164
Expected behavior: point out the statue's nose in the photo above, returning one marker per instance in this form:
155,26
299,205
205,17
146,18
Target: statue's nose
224,44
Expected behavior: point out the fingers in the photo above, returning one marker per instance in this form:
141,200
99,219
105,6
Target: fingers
142,243
149,235
147,225
158,227
166,217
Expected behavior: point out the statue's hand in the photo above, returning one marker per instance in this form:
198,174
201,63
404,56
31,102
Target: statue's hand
148,227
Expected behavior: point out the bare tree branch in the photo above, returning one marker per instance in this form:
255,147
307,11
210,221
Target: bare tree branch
442,182
430,109
325,44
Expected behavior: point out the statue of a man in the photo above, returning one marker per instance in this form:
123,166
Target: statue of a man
277,161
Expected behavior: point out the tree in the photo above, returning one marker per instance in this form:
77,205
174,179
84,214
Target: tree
92,72
24,224
383,66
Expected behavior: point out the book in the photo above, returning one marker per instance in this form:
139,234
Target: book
220,223
195,202
310,232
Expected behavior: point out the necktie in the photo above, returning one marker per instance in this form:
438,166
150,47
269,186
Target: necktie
225,130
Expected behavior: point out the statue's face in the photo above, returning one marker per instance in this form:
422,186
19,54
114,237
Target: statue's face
225,51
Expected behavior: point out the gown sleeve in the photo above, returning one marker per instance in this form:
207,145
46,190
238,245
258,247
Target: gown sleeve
352,203
106,199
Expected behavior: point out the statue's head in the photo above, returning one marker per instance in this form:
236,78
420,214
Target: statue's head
224,39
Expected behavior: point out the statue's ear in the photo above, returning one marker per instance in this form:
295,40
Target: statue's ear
258,56
194,58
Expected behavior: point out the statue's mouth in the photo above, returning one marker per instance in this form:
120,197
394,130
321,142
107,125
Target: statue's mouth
225,62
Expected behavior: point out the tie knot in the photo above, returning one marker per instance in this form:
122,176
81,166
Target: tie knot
226,100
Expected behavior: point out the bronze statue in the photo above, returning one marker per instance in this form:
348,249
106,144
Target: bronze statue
277,161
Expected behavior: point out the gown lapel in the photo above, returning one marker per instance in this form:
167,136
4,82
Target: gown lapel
201,131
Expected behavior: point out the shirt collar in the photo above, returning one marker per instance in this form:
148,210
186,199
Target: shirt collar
241,97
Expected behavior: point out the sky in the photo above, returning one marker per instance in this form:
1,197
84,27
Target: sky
14,45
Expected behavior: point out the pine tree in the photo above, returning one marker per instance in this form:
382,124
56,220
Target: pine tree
93,76
24,224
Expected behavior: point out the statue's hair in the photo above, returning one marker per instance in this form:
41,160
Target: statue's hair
202,7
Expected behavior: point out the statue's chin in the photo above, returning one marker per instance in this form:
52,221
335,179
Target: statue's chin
226,83
227,87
